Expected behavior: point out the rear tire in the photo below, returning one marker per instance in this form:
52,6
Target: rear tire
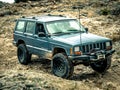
102,66
23,55
61,66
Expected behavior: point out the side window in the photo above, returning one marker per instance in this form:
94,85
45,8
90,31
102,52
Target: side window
20,26
30,27
39,28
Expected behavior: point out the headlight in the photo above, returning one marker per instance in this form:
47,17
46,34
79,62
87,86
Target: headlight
107,44
77,49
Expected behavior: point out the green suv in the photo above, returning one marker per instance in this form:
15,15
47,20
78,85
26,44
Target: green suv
64,41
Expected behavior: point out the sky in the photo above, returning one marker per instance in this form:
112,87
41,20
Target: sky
8,1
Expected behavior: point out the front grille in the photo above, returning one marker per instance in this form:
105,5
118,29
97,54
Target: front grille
87,48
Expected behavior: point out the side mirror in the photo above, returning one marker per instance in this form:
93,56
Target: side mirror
41,34
86,29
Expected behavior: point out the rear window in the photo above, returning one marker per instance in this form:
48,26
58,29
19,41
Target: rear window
20,26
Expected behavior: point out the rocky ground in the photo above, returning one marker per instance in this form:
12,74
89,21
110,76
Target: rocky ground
101,17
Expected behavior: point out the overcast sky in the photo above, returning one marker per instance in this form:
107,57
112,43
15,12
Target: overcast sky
8,1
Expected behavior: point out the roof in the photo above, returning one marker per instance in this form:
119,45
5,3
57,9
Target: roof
46,18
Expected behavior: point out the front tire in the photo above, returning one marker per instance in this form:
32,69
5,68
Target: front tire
61,66
102,66
23,56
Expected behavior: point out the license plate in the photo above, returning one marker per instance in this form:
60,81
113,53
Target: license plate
101,56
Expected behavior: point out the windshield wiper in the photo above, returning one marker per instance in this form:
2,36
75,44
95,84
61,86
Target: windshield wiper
59,33
72,30
75,31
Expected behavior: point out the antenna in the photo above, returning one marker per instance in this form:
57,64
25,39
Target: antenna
79,7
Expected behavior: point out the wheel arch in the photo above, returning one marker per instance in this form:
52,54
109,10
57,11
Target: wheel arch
20,42
59,50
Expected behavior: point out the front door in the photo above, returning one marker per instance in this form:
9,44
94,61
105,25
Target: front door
41,42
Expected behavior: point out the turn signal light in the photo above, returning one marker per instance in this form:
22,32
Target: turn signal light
78,53
71,51
108,47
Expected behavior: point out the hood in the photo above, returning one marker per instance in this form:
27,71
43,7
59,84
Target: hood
74,39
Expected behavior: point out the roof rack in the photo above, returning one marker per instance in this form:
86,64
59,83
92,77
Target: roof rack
56,15
29,17
34,18
23,17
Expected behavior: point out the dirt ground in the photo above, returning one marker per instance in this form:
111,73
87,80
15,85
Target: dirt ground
37,75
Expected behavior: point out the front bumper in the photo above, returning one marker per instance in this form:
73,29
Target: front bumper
93,56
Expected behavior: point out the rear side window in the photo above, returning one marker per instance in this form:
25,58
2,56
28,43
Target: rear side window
20,26
30,27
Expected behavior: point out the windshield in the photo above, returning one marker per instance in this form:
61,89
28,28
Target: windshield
64,27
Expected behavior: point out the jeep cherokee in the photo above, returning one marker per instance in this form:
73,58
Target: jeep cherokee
64,40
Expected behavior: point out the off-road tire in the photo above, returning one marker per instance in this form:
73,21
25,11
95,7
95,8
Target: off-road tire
23,55
102,66
61,66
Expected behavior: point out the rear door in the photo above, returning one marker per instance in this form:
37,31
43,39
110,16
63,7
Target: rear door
29,31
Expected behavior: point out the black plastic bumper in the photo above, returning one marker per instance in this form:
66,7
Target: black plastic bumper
91,57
